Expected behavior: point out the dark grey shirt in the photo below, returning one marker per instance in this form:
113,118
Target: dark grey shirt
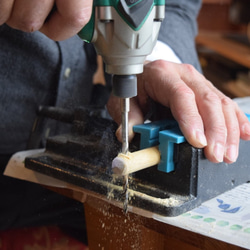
35,70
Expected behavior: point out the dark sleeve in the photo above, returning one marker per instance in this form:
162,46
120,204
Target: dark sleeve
34,71
179,29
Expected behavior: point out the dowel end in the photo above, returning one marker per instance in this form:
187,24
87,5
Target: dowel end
119,166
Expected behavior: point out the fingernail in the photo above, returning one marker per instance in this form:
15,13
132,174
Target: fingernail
246,128
218,152
231,153
200,137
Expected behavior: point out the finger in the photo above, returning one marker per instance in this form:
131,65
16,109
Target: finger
231,123
135,115
243,121
68,19
5,10
233,131
244,124
215,126
209,103
29,15
114,108
185,111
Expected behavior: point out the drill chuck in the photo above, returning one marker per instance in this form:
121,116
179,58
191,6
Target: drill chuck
124,86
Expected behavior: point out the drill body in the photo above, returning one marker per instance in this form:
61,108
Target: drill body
124,32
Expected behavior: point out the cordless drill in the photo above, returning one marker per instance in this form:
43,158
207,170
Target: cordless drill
124,32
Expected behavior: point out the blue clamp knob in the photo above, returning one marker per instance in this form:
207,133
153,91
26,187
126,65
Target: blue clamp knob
164,133
150,132
167,139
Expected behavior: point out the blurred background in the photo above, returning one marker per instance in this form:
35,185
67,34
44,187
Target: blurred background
223,45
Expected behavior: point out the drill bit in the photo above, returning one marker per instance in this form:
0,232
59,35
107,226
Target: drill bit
124,111
126,194
125,87
125,145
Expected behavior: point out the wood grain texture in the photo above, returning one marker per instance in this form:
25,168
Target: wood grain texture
132,162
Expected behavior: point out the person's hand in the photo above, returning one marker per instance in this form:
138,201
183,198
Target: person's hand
57,19
206,116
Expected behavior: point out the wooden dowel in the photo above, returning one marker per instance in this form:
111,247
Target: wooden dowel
132,162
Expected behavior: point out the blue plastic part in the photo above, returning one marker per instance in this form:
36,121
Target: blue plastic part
150,132
167,140
164,133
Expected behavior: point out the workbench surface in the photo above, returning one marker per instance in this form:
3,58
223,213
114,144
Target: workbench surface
225,218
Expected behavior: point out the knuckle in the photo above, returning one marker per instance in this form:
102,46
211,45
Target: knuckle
234,131
28,24
221,132
211,97
80,18
190,69
160,63
226,101
30,27
220,129
184,91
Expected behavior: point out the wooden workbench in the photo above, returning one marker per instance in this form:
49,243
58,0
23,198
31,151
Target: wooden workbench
109,228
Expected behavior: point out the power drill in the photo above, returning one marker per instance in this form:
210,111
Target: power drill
124,32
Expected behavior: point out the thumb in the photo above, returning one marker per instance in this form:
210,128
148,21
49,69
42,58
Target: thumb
135,115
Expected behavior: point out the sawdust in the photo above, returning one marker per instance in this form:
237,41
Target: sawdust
115,233
172,201
133,195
